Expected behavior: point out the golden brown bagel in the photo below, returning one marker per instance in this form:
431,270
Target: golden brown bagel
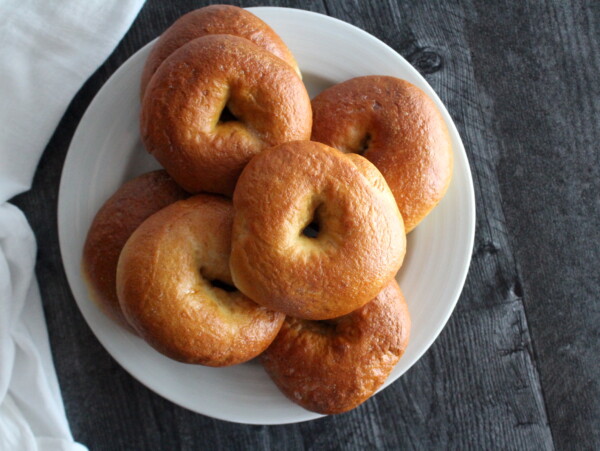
181,118
114,223
359,247
399,129
333,366
174,287
215,19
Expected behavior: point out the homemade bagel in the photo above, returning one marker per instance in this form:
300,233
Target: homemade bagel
182,123
112,226
174,287
333,366
215,19
399,129
279,263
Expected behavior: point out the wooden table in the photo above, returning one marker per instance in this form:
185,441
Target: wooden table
518,364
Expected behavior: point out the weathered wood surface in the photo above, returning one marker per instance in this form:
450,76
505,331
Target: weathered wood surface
517,366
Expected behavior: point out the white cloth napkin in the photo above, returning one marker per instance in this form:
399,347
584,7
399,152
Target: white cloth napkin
48,49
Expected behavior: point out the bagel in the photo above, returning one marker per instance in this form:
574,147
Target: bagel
181,119
215,19
112,226
280,263
399,129
175,288
333,366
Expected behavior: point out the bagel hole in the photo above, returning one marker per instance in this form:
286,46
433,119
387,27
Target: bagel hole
227,115
311,230
364,145
216,283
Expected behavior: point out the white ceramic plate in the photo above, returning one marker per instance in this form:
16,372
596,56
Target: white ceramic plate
106,151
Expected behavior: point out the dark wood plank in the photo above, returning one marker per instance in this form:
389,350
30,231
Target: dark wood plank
521,84
540,90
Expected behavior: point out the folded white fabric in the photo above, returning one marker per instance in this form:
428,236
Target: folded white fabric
47,51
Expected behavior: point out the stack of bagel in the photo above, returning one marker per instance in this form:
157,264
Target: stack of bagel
278,225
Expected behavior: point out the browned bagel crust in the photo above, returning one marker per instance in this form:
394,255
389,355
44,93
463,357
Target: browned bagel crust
181,109
114,223
333,366
399,129
164,284
215,19
359,248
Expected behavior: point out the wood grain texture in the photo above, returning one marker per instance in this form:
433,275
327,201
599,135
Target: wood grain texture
517,366
541,92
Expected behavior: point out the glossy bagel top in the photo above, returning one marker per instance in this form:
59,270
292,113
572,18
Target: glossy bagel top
359,246
215,19
397,127
174,287
182,123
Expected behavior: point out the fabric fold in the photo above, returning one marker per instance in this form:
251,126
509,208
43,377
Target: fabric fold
47,51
